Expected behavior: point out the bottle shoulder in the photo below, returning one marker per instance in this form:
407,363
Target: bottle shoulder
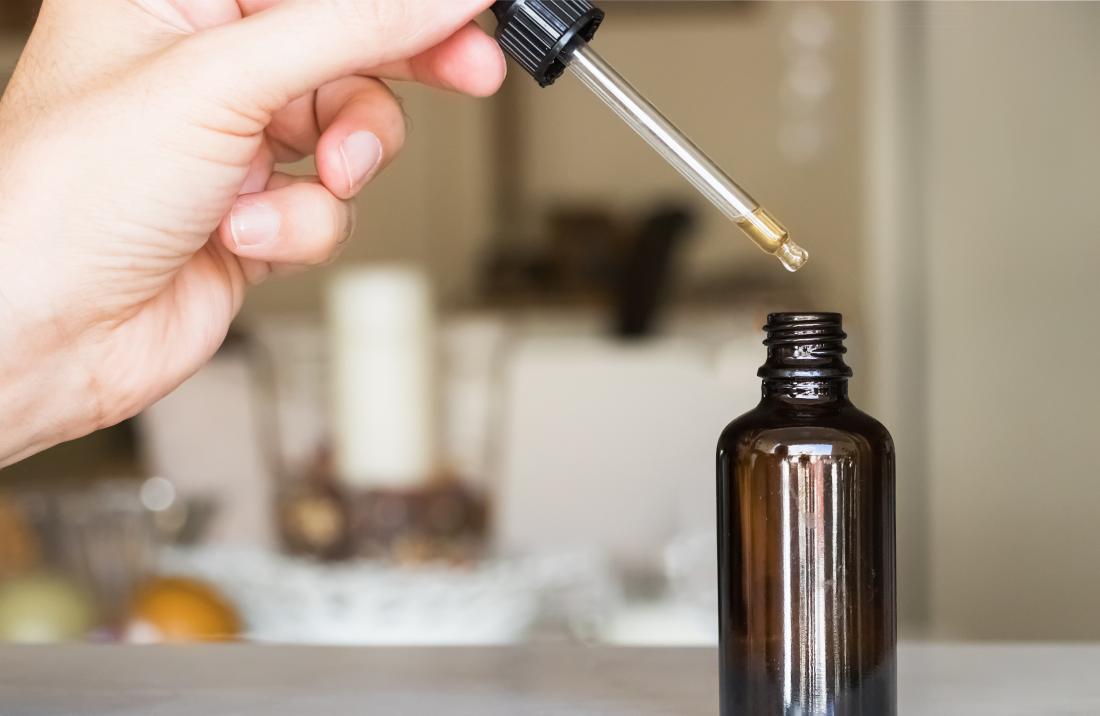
755,419
870,426
771,421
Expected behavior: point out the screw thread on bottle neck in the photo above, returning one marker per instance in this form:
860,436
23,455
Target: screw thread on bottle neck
805,346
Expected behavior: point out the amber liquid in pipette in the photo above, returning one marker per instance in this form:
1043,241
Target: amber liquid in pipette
772,238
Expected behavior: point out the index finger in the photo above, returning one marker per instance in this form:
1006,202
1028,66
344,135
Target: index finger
286,48
469,61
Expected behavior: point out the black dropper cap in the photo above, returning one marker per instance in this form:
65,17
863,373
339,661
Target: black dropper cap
539,34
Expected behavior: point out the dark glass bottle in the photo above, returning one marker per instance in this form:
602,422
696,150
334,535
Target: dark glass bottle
806,538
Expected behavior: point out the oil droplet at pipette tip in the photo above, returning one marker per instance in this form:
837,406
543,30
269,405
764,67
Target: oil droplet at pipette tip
772,238
792,256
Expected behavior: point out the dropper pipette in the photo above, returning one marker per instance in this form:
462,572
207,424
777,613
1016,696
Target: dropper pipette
548,36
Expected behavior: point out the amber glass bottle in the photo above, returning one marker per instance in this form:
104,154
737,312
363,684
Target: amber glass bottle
806,538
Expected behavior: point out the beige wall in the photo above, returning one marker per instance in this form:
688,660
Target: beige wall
1012,227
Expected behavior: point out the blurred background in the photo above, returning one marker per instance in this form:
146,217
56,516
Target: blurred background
494,419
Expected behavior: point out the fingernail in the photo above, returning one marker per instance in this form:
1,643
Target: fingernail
362,153
254,223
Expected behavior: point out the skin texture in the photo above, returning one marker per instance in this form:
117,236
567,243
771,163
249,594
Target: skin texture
139,196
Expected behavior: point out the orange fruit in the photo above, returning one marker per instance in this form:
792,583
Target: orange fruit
178,609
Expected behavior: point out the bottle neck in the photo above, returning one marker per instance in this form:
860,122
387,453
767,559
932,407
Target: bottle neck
803,391
805,355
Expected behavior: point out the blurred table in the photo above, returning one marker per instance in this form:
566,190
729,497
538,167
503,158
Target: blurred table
545,681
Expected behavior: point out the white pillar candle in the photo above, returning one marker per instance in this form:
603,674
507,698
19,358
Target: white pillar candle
382,330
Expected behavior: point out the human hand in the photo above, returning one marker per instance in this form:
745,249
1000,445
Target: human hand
138,192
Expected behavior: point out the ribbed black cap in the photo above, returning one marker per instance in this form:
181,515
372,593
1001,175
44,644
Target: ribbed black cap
538,34
805,345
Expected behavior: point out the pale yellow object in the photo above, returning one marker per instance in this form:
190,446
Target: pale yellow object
44,609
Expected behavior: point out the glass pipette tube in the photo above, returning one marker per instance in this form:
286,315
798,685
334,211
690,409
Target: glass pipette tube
689,160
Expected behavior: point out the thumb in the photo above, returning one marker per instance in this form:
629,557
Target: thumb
264,61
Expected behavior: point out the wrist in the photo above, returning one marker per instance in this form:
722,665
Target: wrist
44,397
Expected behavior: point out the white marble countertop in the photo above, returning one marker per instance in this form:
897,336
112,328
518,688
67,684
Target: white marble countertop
936,679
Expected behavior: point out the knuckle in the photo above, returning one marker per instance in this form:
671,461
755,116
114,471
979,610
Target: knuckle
367,18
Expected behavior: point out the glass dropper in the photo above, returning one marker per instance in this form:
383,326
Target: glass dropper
685,156
546,37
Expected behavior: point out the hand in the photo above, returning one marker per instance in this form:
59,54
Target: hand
138,192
